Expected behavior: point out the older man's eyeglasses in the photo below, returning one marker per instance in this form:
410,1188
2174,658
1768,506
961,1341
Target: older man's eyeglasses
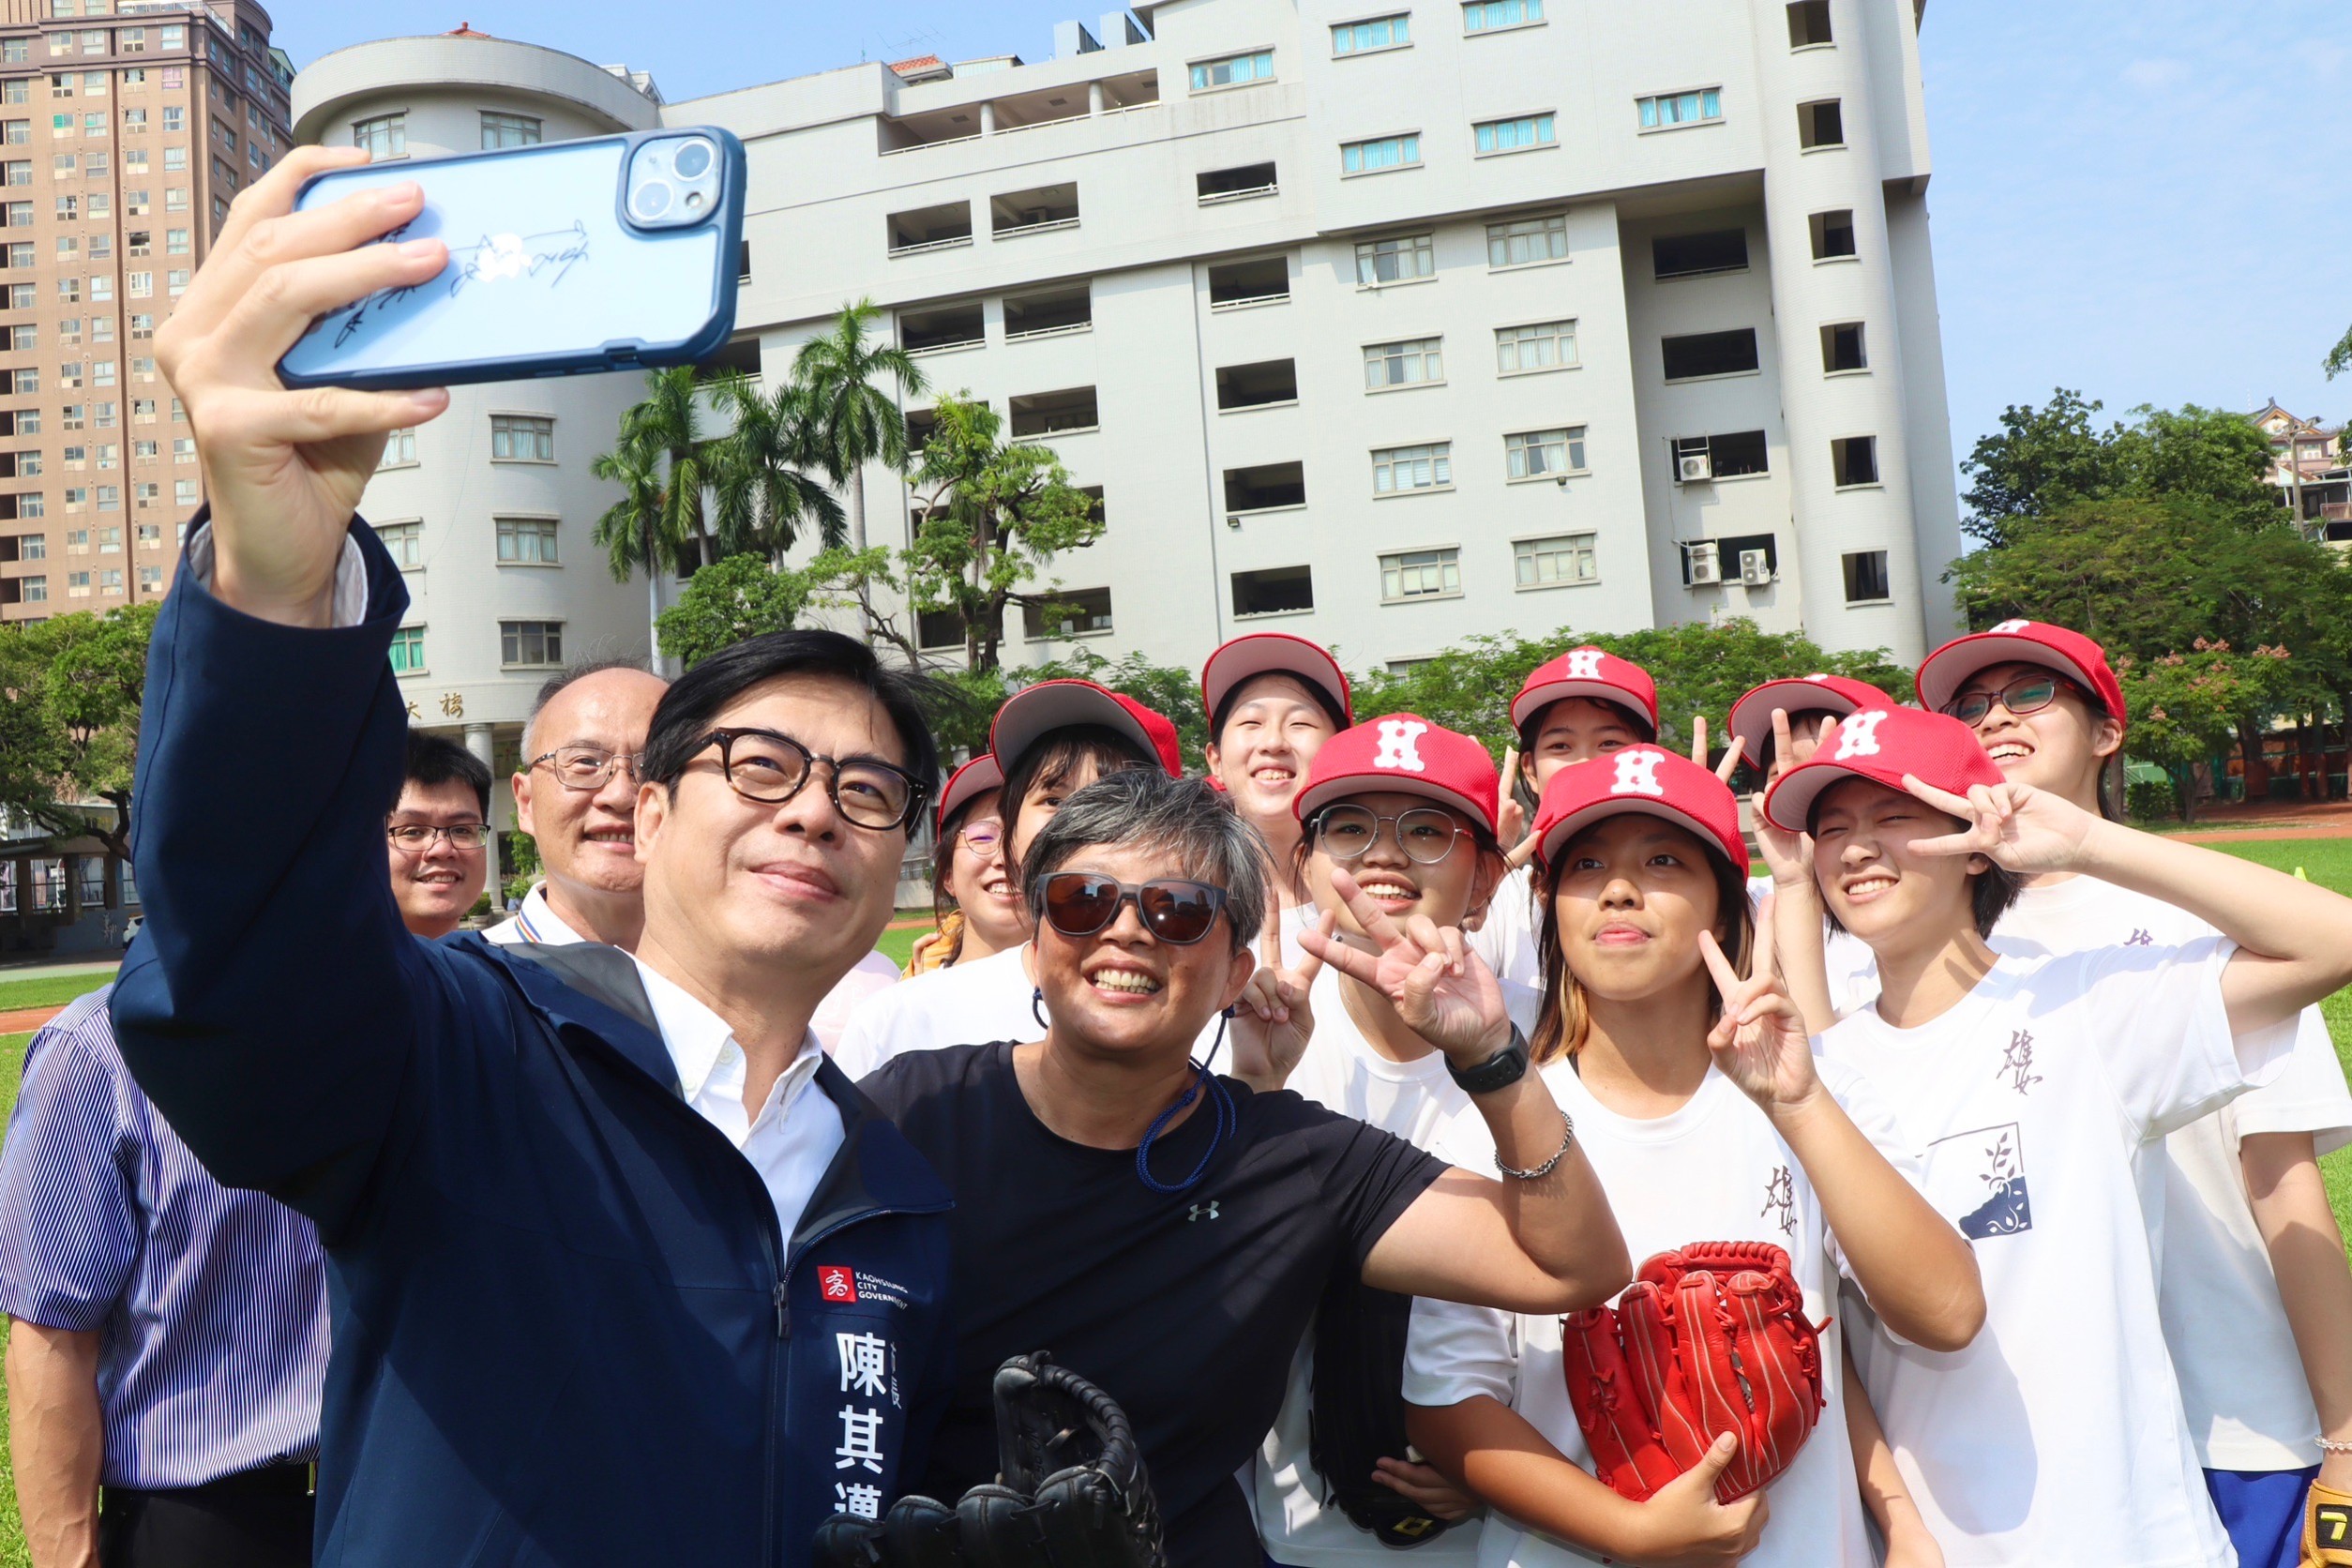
587,767
1180,913
418,837
769,769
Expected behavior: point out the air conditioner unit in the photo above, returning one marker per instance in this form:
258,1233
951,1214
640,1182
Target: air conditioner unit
1755,567
1706,566
1692,465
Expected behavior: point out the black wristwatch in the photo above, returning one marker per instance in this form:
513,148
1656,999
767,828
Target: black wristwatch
1501,1070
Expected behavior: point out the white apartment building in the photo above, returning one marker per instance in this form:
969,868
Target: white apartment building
1391,322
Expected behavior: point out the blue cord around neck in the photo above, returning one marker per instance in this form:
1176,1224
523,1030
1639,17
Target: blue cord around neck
1221,1107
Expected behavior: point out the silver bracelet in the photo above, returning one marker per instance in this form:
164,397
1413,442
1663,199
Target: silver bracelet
1567,1137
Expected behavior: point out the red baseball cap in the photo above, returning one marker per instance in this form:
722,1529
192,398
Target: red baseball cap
1647,779
1882,744
1588,673
1751,717
1943,673
975,777
1405,753
1033,712
1267,653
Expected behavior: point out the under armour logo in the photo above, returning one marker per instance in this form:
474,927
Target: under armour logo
1202,1211
1397,749
1584,664
1858,736
1638,774
2013,625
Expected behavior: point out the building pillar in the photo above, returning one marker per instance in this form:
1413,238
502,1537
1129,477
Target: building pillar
70,865
988,118
479,740
1094,98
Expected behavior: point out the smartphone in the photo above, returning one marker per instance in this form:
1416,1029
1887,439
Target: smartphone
570,257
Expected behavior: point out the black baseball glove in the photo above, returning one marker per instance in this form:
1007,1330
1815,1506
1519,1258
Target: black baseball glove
1358,1416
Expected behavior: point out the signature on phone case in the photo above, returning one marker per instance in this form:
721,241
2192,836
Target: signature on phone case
491,259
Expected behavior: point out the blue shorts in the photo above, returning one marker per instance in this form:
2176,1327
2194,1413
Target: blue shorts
2263,1512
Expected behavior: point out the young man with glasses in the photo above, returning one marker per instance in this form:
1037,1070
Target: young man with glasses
439,833
576,796
621,1260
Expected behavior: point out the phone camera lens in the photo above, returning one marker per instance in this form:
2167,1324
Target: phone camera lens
692,159
653,199
694,200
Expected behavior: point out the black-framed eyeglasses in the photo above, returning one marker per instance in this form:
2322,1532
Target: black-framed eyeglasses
588,767
2028,694
1176,911
769,769
418,837
1425,833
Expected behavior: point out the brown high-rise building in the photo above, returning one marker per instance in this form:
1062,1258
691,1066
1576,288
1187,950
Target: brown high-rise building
125,129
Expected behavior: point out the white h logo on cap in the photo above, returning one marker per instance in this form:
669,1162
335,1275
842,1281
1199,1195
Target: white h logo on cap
1858,736
1638,774
1585,665
1397,749
2013,625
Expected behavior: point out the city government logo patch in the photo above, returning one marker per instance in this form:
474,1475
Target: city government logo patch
837,1285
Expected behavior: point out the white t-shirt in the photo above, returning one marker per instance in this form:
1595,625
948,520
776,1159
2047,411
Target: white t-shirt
1506,938
1342,1071
1713,1171
2241,1378
2037,1105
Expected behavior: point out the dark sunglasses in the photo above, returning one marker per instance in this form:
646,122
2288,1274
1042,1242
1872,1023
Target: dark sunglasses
2028,694
1179,912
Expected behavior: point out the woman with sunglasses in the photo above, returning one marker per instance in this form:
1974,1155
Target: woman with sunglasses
1272,700
2256,1296
1691,1078
1168,1233
973,896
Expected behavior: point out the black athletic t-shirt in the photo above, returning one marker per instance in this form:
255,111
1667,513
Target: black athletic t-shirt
1184,1308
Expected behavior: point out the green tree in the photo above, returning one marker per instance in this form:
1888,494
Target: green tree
634,531
2044,461
739,596
669,420
759,470
2042,458
2185,706
852,420
71,735
2339,358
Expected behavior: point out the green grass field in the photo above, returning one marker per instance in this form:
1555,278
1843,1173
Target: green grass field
54,990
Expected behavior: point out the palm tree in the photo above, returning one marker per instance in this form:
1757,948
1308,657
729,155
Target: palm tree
669,420
759,470
854,420
633,531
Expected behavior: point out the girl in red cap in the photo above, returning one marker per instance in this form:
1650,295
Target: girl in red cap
1697,1097
979,910
2036,1093
2254,1292
1272,700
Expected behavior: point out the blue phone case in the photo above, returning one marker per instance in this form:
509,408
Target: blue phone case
548,275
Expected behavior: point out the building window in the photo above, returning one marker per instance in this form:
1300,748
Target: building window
1420,574
400,449
1709,353
520,438
1064,412
1265,487
385,136
1211,186
531,642
184,492
1665,111
1414,362
1487,16
1539,346
36,589
151,580
1395,261
76,585
1808,24
1528,241
1833,234
1276,591
1268,384
408,651
1068,612
405,541
526,541
1233,71
1514,136
1396,470
506,130
1720,457
1843,348
1543,454
1820,125
1379,32
1866,577
1855,461
1379,155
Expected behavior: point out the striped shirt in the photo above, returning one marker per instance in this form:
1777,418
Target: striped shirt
213,1301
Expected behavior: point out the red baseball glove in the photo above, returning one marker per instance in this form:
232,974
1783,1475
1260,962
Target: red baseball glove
1710,1338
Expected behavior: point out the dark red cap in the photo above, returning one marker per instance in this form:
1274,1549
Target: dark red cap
975,777
1943,673
1644,779
1882,744
1405,753
1751,717
1270,652
1588,673
1033,712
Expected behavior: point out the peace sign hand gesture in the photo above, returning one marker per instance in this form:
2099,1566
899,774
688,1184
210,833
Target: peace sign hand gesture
2015,826
1728,763
1441,990
1274,1021
1760,1042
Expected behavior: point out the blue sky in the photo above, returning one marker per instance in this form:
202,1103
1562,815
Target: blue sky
2136,200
